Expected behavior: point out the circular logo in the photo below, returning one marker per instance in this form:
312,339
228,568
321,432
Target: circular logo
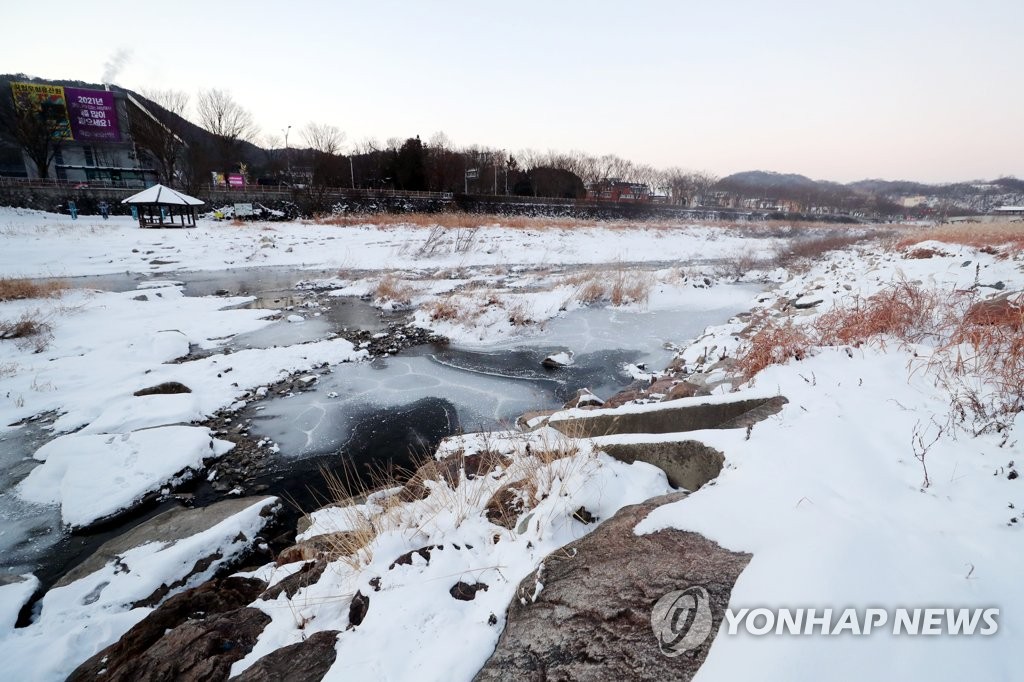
681,620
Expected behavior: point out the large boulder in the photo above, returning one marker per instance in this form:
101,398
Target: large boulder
306,660
592,618
136,656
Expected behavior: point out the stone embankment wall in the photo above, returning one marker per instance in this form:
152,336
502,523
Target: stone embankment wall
303,203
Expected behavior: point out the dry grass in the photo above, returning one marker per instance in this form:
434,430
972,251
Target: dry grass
365,510
631,287
502,483
455,219
452,220
30,331
394,290
905,311
618,287
519,315
812,248
976,345
775,344
1007,237
443,309
17,289
985,342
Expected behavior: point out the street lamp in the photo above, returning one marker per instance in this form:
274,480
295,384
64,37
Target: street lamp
287,156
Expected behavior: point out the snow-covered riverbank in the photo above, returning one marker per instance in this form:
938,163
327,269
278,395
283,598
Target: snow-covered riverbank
867,489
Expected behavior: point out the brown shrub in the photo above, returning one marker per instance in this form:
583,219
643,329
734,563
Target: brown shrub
922,253
775,344
812,248
903,310
29,331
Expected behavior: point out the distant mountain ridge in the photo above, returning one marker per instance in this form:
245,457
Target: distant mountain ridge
971,196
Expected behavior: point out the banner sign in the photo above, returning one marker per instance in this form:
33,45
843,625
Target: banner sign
236,180
44,98
93,115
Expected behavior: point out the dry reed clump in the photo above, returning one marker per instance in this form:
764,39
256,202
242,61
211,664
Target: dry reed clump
986,342
443,309
519,315
811,248
17,289
977,345
619,287
366,507
1002,238
29,331
923,253
775,344
904,311
500,484
394,290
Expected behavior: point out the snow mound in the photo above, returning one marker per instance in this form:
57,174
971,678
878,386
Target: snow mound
93,476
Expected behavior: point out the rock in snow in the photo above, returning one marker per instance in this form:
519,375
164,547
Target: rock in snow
563,359
592,621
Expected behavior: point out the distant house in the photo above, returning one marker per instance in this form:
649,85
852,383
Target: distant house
1008,211
613,189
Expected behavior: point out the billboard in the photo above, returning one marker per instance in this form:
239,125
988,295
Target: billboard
93,115
44,98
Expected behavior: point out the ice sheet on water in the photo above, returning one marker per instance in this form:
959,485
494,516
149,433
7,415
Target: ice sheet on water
28,530
487,385
284,333
312,423
592,330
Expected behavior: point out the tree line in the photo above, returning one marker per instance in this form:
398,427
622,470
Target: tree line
187,139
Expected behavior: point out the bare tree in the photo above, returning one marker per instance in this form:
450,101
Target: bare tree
229,122
221,115
174,101
329,169
152,132
323,138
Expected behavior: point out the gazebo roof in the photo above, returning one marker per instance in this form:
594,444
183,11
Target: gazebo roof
160,195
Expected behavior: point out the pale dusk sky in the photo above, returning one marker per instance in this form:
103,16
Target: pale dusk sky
929,91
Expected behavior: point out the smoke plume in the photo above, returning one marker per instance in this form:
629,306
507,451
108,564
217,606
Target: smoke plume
117,61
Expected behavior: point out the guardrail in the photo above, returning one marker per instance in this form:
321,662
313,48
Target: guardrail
49,183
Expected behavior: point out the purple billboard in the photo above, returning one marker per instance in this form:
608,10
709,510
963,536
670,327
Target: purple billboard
93,115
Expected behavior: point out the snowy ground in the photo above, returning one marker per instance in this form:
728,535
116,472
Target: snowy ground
827,495
38,244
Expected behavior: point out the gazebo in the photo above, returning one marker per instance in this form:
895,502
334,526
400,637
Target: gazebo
158,206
